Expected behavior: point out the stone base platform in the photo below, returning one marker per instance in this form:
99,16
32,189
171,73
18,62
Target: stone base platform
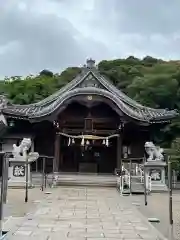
157,188
19,185
79,179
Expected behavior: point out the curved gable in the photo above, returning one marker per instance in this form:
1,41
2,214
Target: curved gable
89,81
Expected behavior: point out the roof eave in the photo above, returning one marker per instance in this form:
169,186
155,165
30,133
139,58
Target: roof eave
164,119
14,115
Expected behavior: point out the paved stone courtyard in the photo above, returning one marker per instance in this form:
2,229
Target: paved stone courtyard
158,206
16,207
83,213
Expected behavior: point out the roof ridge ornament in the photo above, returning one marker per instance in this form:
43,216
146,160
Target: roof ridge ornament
90,63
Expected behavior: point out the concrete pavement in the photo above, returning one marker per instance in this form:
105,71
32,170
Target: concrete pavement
84,213
158,206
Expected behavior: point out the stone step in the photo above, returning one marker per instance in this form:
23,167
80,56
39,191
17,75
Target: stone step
159,188
137,186
86,183
79,180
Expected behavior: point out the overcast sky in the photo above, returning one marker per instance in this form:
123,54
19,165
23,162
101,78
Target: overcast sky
55,34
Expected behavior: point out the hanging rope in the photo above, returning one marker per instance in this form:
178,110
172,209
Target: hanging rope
88,137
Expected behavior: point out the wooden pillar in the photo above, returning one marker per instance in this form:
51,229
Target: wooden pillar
60,155
56,153
152,131
119,152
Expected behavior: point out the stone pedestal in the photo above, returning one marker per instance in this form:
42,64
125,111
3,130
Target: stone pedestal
17,174
156,170
18,163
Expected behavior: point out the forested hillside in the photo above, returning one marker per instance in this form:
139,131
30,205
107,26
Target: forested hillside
151,81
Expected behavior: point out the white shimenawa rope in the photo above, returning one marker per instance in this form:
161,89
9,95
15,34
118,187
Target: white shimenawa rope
89,137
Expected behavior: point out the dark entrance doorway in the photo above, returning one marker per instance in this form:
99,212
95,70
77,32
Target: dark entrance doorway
92,117
93,158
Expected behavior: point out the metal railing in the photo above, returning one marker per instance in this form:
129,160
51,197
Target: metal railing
124,181
140,174
43,174
148,183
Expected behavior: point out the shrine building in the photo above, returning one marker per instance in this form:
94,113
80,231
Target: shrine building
87,126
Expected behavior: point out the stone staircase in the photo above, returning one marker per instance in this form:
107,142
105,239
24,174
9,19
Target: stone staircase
92,179
73,179
133,183
156,188
137,187
87,180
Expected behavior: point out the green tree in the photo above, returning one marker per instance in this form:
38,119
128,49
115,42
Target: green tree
46,72
150,81
174,153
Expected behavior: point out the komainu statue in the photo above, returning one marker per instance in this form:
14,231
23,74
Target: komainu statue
154,153
21,150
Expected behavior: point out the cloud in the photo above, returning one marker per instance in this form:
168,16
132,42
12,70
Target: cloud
54,34
147,17
34,38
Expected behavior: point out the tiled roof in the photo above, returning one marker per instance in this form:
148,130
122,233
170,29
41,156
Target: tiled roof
89,81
